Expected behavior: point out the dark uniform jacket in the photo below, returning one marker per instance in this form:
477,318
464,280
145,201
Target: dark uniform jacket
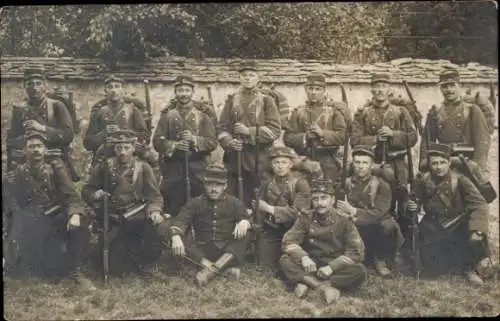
246,107
442,204
332,238
124,115
213,221
372,198
460,122
172,122
129,186
51,113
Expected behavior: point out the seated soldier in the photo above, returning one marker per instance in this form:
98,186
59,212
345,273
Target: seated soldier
453,231
135,205
220,224
368,203
47,216
323,250
276,203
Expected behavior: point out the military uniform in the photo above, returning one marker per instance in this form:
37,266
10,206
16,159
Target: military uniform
134,189
371,197
172,121
328,240
369,120
247,106
280,193
330,119
42,199
454,209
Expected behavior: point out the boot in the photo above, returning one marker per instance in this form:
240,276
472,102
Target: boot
207,274
382,269
301,290
485,268
330,293
474,278
81,282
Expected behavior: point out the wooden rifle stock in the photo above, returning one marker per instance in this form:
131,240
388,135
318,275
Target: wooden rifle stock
149,119
259,220
345,156
105,240
239,174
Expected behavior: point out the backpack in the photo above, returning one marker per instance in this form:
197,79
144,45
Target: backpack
202,106
486,107
67,99
279,100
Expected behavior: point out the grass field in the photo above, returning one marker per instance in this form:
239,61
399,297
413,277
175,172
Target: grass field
257,294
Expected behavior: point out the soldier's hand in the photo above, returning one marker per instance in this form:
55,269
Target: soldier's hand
73,222
112,128
187,136
240,230
178,246
139,145
476,236
385,132
236,144
266,207
308,264
156,217
311,167
324,272
346,207
241,129
100,194
183,145
412,206
34,125
316,130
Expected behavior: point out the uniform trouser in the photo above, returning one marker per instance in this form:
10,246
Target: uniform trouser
443,252
42,245
174,194
213,250
249,183
382,239
331,168
270,247
349,277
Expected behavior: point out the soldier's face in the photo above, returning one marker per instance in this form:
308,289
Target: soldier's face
35,88
362,165
249,78
124,152
281,166
380,91
322,202
184,93
450,91
214,190
114,90
439,165
35,150
315,93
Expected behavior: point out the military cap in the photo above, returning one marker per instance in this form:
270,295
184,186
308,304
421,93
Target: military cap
380,77
35,134
184,80
363,150
449,75
322,186
113,78
247,65
215,173
439,150
316,79
34,72
281,151
123,136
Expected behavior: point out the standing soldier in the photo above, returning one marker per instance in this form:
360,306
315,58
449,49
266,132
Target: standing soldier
184,137
317,130
323,250
384,125
368,204
277,202
135,205
39,113
453,232
220,223
48,215
237,128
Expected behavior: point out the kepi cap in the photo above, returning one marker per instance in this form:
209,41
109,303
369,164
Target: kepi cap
34,72
35,134
380,77
363,150
184,80
322,186
113,78
449,76
439,150
316,79
123,136
247,65
215,173
281,151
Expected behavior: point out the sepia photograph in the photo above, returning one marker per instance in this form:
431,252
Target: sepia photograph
250,160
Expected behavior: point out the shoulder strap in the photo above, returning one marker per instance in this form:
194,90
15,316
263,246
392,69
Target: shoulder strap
50,110
137,177
373,188
348,184
291,186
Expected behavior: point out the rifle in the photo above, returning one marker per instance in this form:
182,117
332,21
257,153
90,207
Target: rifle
105,243
9,152
345,173
239,173
492,94
259,220
148,107
211,98
414,104
486,189
312,141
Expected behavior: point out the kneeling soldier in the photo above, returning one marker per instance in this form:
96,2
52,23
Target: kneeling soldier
134,200
453,231
368,203
323,249
48,215
220,224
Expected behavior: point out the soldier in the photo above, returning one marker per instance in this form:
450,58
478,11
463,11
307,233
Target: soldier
317,129
237,130
48,216
220,223
184,136
40,113
384,125
323,250
368,204
135,205
278,194
453,231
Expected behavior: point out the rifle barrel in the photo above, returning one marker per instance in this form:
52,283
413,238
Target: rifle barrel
105,243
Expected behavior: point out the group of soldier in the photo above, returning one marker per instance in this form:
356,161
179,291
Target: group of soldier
297,208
